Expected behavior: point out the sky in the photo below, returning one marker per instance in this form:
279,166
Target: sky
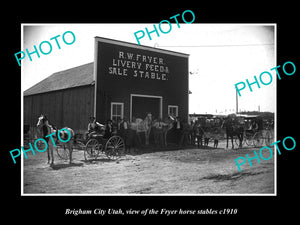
221,55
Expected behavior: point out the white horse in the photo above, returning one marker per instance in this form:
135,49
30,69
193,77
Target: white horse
47,129
144,126
169,125
161,129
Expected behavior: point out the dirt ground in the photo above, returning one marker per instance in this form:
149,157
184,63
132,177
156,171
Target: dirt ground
183,171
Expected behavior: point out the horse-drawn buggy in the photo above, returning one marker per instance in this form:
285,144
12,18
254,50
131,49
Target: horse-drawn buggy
257,131
248,130
93,144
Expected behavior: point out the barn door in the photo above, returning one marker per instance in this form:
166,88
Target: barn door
140,105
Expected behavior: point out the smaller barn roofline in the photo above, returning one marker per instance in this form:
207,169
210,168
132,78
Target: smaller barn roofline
74,77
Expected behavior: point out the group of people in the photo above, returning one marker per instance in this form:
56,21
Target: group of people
195,133
132,132
123,128
202,133
170,130
137,132
95,127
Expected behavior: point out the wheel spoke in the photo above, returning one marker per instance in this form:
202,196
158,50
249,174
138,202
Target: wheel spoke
92,149
62,152
114,147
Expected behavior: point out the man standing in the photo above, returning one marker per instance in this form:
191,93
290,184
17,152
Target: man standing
158,133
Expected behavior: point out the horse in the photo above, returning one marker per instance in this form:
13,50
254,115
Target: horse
233,128
160,130
47,129
169,121
144,126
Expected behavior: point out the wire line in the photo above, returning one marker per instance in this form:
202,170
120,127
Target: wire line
205,46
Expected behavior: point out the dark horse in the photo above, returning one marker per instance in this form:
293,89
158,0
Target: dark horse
233,128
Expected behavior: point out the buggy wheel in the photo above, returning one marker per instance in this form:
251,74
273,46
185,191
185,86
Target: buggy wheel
245,139
248,141
62,152
258,139
114,147
92,149
237,142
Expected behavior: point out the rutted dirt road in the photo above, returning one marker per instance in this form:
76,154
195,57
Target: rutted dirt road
188,171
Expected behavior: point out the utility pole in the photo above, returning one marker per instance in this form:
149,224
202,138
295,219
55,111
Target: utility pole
236,102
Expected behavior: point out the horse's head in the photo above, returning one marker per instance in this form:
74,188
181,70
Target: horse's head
64,134
170,117
41,121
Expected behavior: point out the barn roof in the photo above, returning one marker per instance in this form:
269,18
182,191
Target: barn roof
74,77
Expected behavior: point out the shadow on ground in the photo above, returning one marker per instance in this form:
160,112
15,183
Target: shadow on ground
65,165
231,177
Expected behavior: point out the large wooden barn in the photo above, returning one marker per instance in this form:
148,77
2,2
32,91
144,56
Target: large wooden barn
126,80
66,97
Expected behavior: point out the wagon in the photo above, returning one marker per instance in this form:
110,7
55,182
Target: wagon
112,147
257,138
262,135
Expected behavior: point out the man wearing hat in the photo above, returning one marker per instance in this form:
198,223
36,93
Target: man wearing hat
94,127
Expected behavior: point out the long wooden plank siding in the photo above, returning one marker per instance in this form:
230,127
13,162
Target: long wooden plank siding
69,107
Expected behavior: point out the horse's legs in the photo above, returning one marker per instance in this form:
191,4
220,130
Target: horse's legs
165,138
146,138
198,141
147,134
215,143
48,154
138,137
227,137
155,136
70,152
232,142
51,152
241,140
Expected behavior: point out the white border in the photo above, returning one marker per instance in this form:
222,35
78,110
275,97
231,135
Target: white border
22,115
95,74
275,115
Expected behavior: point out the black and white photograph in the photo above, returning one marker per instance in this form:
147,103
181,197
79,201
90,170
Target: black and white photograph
139,111
160,118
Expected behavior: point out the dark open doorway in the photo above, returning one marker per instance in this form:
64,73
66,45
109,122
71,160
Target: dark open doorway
141,104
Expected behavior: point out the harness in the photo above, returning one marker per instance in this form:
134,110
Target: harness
45,131
63,135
